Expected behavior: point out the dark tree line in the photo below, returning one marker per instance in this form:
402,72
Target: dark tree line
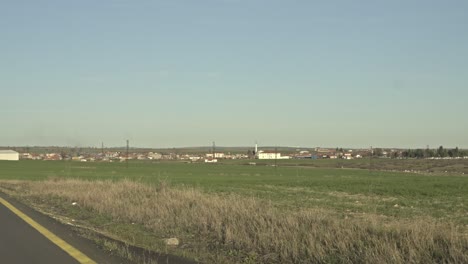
434,153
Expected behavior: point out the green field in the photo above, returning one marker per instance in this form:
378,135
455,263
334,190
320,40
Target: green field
302,211
426,166
292,185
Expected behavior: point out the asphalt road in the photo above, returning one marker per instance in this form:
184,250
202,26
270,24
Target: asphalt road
21,243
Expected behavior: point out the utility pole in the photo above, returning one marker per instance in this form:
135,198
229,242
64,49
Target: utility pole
370,159
276,156
102,149
214,150
338,158
126,158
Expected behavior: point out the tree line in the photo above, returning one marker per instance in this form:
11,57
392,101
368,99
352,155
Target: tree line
440,152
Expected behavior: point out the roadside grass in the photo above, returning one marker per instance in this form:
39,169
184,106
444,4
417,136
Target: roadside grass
234,228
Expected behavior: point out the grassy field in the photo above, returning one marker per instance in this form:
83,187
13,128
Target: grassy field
427,166
393,199
346,190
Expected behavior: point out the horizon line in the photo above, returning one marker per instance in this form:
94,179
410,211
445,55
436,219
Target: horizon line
208,146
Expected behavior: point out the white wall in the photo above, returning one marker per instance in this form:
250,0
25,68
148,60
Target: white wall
9,156
267,155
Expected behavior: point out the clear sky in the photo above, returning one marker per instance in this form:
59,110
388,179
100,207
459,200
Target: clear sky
174,73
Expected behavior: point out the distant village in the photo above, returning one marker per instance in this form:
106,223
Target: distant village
213,156
116,156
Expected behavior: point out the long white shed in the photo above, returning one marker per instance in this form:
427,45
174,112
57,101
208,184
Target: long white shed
9,155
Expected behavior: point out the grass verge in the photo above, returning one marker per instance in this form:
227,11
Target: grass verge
231,228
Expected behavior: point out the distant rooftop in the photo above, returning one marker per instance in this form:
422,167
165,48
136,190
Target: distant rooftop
7,151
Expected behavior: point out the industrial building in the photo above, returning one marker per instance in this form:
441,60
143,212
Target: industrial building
260,154
270,155
9,155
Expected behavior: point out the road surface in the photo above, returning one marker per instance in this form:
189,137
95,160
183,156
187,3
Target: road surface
22,241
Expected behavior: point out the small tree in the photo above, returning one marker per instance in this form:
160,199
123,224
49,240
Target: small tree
456,152
378,152
441,152
419,153
428,153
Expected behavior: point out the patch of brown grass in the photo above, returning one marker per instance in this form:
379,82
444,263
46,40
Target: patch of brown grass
258,230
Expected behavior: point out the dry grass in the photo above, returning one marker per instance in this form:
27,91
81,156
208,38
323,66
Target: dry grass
259,231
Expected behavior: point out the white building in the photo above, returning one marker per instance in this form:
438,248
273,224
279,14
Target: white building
217,155
270,155
155,156
194,158
9,155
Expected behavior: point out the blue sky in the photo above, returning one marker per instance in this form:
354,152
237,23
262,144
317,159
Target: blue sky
185,73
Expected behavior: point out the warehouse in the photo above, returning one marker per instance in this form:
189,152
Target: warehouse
9,155
270,155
